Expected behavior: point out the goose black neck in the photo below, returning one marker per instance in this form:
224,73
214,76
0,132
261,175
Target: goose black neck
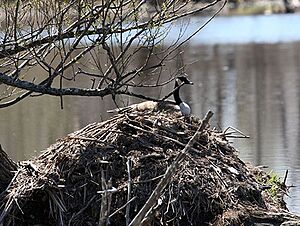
176,94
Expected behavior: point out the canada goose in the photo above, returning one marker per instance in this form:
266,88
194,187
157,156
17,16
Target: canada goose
166,105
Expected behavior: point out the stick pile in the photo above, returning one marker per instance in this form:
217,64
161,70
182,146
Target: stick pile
105,173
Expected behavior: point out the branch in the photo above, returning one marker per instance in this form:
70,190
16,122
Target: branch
16,100
69,33
116,76
52,91
105,30
42,89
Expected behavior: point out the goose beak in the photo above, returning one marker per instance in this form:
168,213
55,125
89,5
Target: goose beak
187,81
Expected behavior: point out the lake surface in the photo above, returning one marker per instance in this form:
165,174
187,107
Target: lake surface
245,69
242,29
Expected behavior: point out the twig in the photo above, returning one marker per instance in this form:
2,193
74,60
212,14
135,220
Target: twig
103,207
91,139
59,203
235,130
83,209
127,216
285,177
8,206
122,207
111,190
161,136
109,199
10,183
149,180
168,174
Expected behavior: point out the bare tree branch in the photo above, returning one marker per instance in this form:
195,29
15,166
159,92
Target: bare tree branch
94,47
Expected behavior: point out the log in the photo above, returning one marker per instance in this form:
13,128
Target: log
7,169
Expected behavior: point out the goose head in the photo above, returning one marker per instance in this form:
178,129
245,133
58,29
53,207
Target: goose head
184,79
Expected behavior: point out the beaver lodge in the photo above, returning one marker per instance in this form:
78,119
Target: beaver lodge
142,169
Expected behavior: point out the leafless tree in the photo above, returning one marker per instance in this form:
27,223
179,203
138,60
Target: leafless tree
87,48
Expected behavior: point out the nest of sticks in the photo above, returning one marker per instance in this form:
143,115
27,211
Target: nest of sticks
137,169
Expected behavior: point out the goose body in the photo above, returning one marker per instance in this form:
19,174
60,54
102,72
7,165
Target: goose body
168,105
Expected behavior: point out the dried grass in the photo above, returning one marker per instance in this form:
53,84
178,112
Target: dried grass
104,173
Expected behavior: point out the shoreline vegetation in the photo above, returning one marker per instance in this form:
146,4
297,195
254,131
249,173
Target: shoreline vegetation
142,168
36,15
255,7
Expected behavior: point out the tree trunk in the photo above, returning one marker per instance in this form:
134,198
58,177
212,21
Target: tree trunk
7,168
288,6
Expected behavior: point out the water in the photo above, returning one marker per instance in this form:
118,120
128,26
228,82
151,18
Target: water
245,69
256,89
243,29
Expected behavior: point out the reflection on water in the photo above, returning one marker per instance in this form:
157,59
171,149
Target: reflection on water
253,87
35,123
256,89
